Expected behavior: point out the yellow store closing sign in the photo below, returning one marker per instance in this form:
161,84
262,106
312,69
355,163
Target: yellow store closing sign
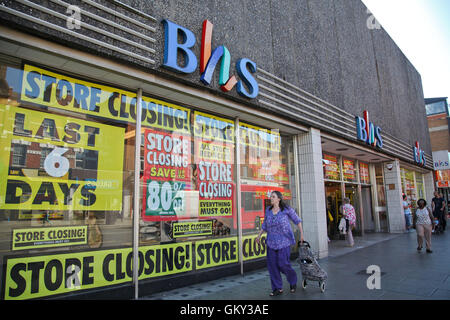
40,276
34,277
48,237
46,88
211,253
51,162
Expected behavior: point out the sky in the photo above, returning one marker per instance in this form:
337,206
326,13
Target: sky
421,29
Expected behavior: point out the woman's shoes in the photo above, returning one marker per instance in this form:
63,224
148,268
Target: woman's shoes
293,288
276,292
429,251
419,248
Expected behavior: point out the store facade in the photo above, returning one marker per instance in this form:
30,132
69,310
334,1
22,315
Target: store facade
83,198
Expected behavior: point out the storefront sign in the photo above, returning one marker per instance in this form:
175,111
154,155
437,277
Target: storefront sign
368,132
52,162
419,155
50,89
192,229
36,238
441,160
208,59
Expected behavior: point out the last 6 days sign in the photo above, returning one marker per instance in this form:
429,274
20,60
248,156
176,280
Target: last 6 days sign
51,162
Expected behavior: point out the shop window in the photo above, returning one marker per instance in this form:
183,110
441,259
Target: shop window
65,179
331,168
266,164
420,186
349,170
381,198
70,174
364,173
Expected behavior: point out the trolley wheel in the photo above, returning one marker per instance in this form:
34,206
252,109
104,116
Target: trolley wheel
304,284
322,286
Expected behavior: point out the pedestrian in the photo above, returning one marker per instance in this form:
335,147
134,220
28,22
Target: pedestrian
350,220
438,206
407,212
423,220
279,240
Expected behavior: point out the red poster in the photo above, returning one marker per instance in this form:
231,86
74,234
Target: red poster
214,171
167,176
331,167
364,173
349,170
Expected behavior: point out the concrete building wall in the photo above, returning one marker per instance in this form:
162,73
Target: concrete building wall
322,47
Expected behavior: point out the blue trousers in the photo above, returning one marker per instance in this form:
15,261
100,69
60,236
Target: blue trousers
278,261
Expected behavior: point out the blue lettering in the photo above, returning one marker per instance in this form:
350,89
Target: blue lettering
247,78
378,137
361,129
171,47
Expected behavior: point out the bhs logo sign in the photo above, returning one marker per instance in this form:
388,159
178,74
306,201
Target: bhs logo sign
208,59
419,155
367,132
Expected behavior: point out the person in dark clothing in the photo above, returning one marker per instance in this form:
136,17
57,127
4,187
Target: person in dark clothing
438,206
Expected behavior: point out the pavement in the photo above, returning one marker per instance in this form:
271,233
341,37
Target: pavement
406,274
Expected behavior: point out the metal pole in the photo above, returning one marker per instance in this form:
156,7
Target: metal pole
137,169
238,190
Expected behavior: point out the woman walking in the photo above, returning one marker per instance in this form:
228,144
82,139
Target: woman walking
279,240
350,218
423,219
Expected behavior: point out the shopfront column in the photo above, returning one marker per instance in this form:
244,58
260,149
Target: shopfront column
312,192
429,186
393,183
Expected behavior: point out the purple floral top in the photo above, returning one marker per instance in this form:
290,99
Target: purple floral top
278,228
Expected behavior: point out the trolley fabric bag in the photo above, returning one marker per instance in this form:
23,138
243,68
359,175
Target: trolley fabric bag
309,267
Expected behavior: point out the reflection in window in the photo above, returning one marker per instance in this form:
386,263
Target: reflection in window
19,155
436,107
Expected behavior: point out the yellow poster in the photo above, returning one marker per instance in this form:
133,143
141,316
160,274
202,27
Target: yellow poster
50,89
211,128
52,162
192,229
216,252
253,250
34,277
261,138
34,238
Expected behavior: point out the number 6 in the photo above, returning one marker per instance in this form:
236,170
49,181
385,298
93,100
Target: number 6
53,158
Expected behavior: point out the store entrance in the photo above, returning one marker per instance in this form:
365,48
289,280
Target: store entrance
333,198
351,192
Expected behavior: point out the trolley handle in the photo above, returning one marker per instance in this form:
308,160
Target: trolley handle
305,243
